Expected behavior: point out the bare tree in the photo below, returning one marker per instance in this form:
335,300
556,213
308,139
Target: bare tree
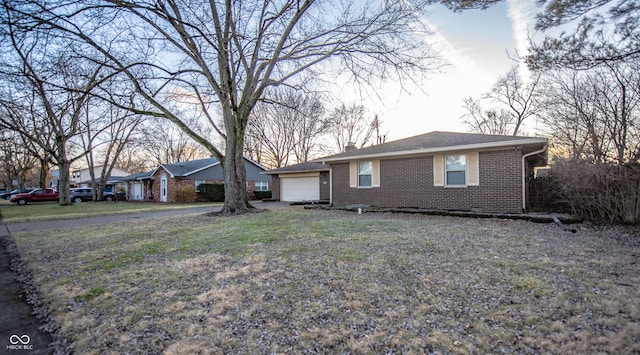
44,91
107,131
167,143
311,125
133,159
486,121
512,101
284,128
596,113
348,125
226,54
16,160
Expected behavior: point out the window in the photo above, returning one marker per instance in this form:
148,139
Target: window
455,170
364,174
198,183
262,186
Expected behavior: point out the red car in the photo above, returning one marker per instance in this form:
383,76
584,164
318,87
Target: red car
37,195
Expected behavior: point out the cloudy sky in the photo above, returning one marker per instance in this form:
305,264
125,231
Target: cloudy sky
477,45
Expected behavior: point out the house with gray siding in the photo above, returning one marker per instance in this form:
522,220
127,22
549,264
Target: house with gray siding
162,184
439,170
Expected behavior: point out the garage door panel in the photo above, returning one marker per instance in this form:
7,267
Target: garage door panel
300,189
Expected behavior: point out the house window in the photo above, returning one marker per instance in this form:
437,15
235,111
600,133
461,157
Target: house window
198,183
455,170
364,174
262,186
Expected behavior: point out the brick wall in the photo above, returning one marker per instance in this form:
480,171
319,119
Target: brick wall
325,188
275,187
174,183
409,183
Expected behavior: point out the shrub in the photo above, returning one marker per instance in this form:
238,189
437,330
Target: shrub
602,192
262,195
212,192
185,194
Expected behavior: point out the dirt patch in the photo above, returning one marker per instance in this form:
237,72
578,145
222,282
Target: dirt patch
308,281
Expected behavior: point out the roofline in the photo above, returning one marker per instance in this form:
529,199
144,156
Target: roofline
294,171
203,168
438,149
163,168
255,163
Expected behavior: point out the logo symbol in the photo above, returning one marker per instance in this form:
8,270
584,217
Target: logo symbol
24,340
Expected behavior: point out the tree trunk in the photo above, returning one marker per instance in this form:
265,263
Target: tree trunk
236,199
44,172
64,164
63,183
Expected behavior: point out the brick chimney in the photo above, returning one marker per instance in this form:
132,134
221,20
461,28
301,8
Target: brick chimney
349,146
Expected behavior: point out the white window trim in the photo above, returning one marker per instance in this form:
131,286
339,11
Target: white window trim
197,183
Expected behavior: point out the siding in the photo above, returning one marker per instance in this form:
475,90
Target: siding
410,183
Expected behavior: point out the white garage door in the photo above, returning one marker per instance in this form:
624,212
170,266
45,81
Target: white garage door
300,189
136,191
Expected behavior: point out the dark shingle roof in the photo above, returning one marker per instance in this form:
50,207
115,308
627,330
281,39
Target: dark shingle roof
434,141
138,176
189,167
298,168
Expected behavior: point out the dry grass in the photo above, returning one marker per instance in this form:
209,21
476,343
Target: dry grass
46,211
302,281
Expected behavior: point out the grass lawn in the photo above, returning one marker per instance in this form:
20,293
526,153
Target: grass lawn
304,281
44,211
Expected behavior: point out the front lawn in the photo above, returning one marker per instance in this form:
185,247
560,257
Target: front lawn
304,281
44,211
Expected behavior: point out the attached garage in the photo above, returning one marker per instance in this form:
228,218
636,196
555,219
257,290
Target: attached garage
301,182
300,188
136,191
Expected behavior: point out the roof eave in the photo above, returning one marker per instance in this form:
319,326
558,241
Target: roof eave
293,171
423,151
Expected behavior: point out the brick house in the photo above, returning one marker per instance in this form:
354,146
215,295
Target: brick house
300,182
439,170
168,178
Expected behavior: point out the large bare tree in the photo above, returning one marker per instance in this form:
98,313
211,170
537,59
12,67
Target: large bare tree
43,92
106,133
596,113
285,127
349,126
222,56
511,101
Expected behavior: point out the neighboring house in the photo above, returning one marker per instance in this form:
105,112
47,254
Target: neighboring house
139,186
301,182
113,184
168,178
439,170
82,177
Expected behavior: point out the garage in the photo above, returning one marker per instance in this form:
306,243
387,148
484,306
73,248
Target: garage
136,191
301,188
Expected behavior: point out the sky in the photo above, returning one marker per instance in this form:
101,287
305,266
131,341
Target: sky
478,46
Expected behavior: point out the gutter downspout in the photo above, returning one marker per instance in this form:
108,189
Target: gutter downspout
524,180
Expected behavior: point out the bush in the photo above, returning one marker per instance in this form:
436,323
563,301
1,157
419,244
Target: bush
603,192
262,195
185,194
212,192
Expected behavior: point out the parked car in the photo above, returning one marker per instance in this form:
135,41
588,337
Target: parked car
80,194
8,194
37,195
